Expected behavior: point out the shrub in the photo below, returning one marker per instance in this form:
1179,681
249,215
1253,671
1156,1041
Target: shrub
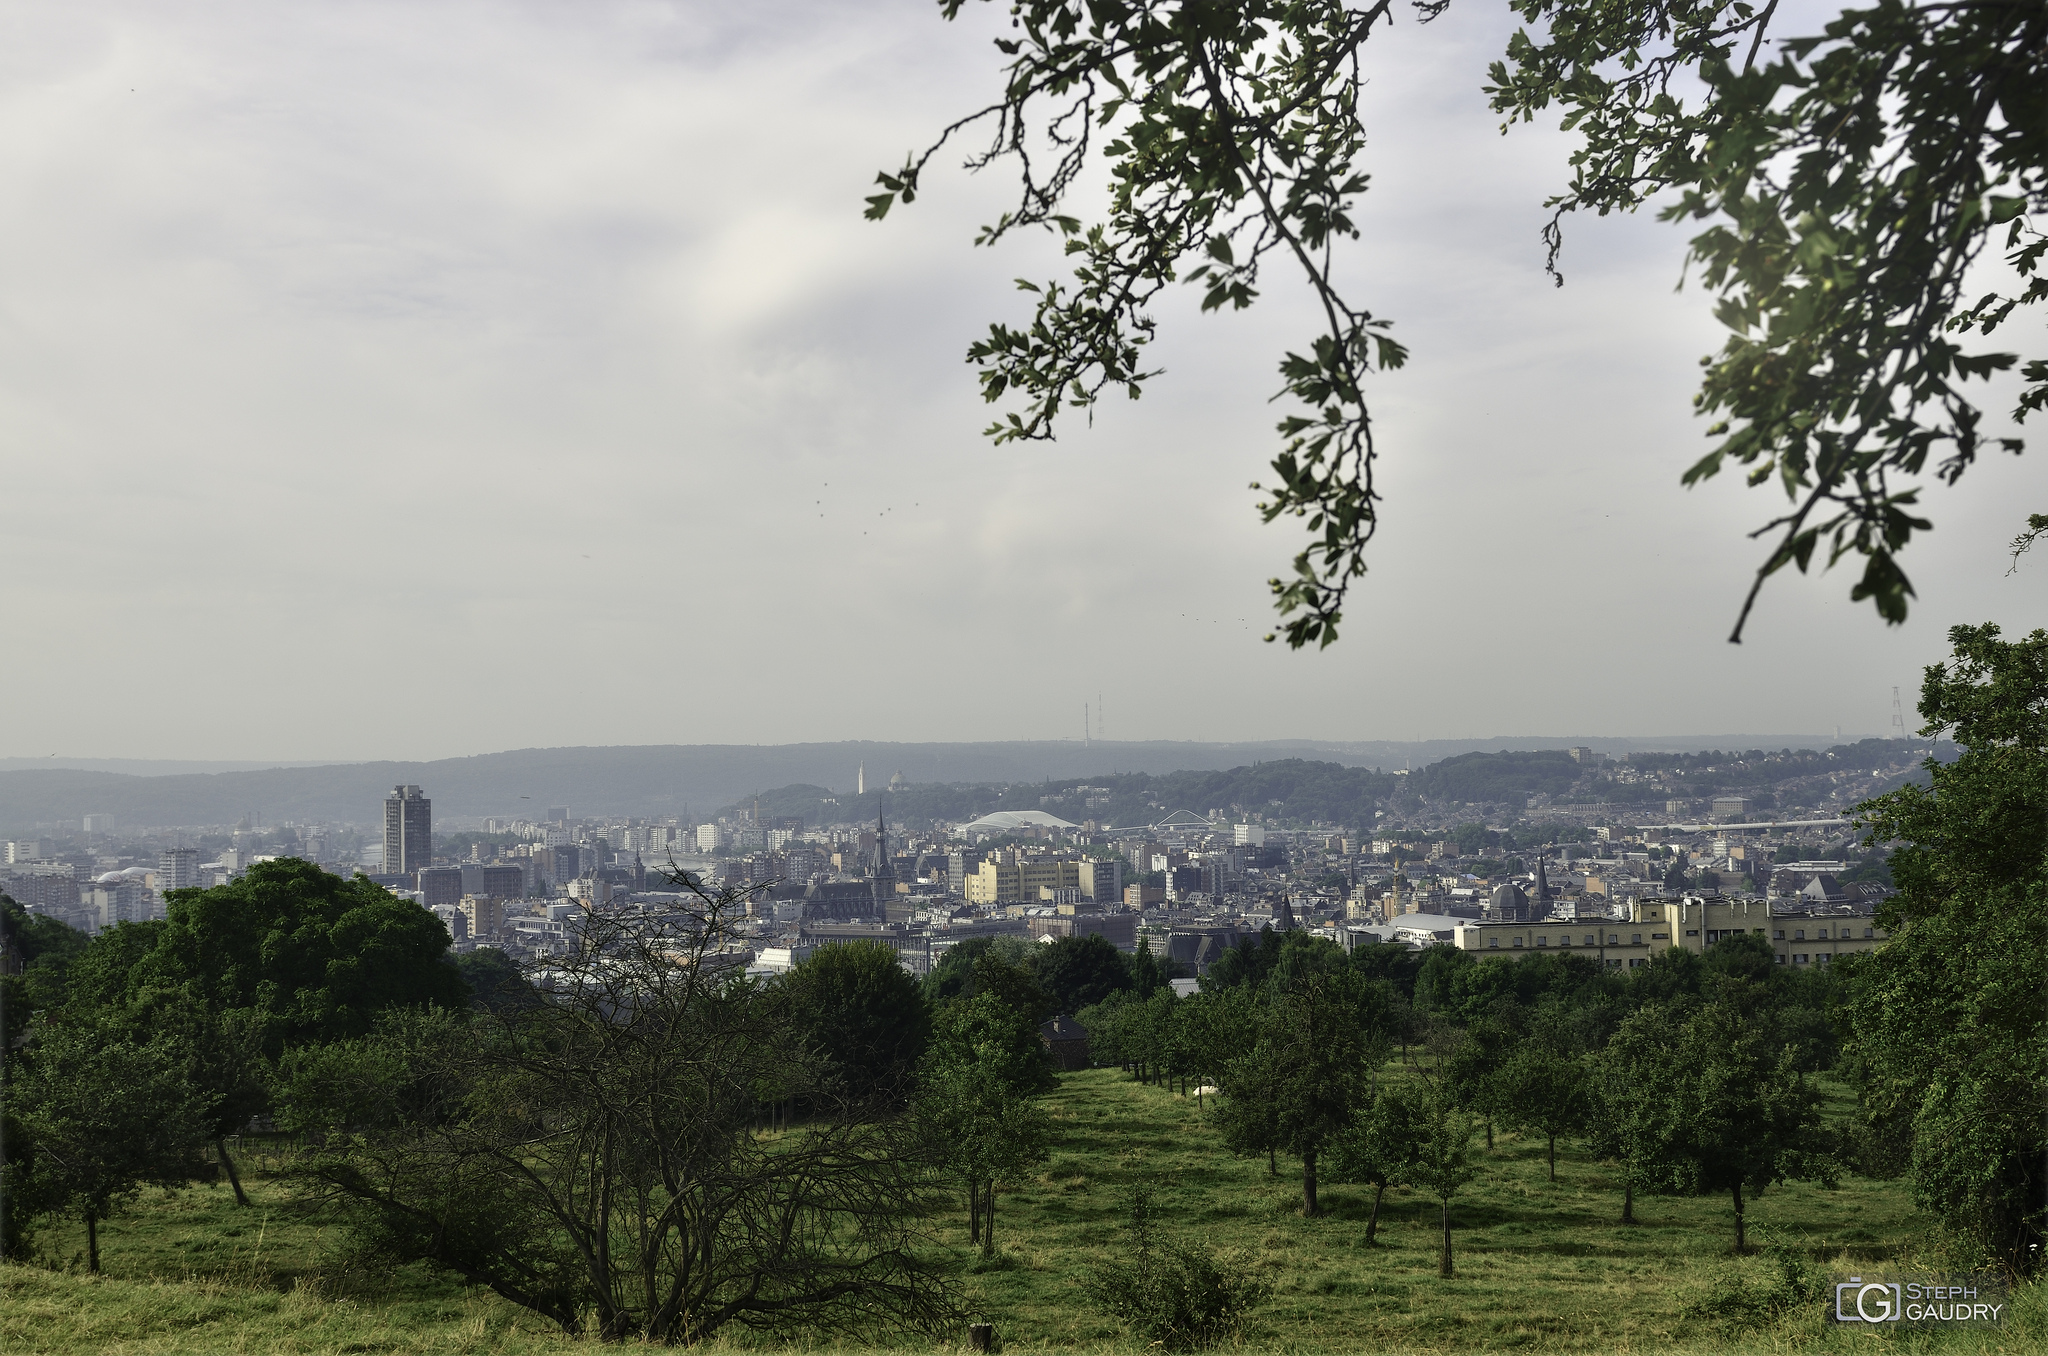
1738,1301
1173,1295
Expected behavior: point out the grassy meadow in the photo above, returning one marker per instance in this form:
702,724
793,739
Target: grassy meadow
1541,1266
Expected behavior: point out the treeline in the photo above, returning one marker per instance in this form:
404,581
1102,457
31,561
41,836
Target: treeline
1287,788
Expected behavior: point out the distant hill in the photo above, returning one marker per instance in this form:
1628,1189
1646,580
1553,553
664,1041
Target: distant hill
670,779
1293,788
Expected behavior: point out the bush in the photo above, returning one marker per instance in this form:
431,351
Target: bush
1738,1301
1172,1295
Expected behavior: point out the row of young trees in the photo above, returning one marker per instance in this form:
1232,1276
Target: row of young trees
1692,1074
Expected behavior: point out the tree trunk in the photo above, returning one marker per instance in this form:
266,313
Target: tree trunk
973,1211
234,1178
988,1223
1272,1163
1372,1221
1553,1158
1739,1241
1443,1259
1489,1134
1628,1201
92,1243
1308,1184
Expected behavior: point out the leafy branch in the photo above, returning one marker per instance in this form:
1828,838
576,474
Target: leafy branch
1855,181
1232,132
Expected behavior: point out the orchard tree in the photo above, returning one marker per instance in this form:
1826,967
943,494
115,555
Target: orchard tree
1310,1073
1543,1090
1473,1069
1379,1147
1442,1158
1725,1111
1849,179
974,1105
105,1115
1624,1123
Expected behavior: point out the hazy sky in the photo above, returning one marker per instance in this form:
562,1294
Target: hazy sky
410,379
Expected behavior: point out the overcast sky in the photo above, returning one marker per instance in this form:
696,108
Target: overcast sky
415,379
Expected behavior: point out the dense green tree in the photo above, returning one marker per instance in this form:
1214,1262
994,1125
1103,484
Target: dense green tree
1728,1110
989,1031
105,1115
859,1008
317,956
36,952
1077,972
1851,177
221,1054
35,956
1015,985
1146,973
495,980
1304,1082
1250,961
1949,1017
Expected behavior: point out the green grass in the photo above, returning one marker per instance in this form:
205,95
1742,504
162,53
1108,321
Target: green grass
1541,1266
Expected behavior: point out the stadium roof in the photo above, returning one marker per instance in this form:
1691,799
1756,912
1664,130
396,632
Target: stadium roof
1008,821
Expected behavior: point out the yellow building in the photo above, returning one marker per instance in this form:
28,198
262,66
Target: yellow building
999,882
1801,932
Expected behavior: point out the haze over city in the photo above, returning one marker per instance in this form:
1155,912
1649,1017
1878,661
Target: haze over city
389,381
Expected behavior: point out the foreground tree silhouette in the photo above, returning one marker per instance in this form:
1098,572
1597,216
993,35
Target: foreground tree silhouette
596,1153
1949,1022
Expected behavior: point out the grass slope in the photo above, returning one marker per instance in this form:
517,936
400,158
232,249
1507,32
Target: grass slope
1541,1266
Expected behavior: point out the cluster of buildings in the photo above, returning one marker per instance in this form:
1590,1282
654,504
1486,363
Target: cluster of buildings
90,888
1188,886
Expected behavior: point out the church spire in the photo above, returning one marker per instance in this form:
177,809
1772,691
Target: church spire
885,869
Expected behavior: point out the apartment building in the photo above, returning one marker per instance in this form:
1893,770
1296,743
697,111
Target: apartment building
1010,882
1801,932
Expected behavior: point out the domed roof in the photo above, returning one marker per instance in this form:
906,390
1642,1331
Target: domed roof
1004,821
